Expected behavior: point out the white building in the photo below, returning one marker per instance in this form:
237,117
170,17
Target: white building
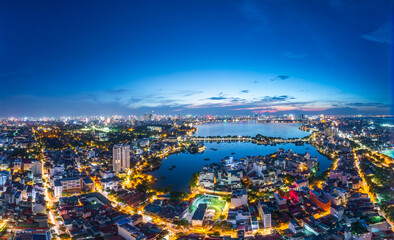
4,176
112,183
233,177
36,168
295,227
71,184
266,216
279,200
38,208
128,231
206,179
254,222
91,154
229,160
337,211
259,168
155,128
301,183
57,169
58,189
121,158
143,142
239,216
239,198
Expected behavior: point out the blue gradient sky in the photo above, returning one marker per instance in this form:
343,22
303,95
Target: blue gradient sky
200,57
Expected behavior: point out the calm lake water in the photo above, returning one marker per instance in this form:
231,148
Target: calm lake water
251,128
187,163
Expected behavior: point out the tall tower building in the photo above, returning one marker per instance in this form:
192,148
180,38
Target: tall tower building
266,218
121,158
36,168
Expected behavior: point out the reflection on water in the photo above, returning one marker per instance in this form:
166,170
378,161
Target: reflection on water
251,128
187,164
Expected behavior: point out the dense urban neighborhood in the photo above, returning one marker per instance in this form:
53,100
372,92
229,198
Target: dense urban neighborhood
91,178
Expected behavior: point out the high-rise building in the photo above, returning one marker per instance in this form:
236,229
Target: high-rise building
121,158
36,168
4,177
266,217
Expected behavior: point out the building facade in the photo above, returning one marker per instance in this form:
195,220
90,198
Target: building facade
121,158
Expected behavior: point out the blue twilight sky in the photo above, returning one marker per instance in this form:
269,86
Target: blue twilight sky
199,57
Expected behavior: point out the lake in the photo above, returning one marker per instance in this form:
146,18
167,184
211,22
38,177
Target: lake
251,128
187,163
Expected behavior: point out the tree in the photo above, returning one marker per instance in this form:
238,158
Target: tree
64,236
62,228
223,226
47,165
119,199
177,196
180,234
143,187
194,180
289,178
182,223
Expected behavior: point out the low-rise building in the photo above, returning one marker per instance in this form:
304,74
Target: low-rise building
239,198
71,184
128,231
198,215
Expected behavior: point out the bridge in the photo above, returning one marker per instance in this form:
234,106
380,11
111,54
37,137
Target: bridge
247,139
281,121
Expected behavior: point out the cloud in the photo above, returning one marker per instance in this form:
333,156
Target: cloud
361,104
88,105
276,99
238,100
276,104
217,98
295,55
230,99
188,93
280,77
221,96
136,100
245,91
382,34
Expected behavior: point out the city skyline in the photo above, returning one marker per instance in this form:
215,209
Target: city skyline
222,57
